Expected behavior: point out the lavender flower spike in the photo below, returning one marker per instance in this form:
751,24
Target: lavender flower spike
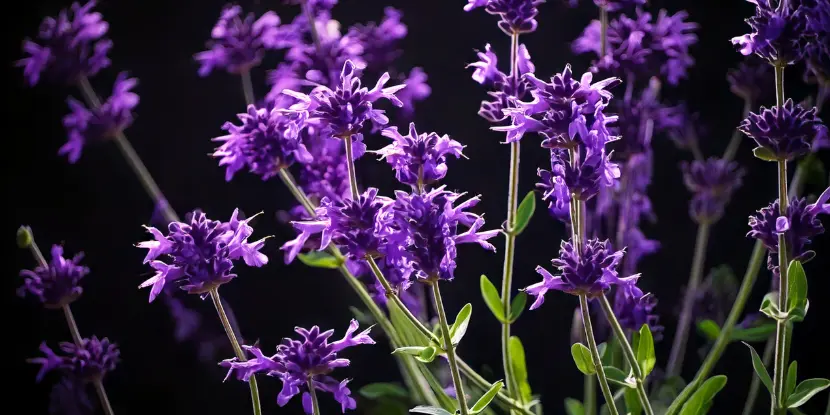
89,362
517,16
712,182
779,32
58,283
419,158
786,132
200,253
633,309
68,47
297,361
86,126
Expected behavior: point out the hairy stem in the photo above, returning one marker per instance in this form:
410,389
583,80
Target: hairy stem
592,345
450,349
315,406
247,87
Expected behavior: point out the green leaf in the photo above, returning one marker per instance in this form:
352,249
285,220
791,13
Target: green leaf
409,350
645,350
462,321
410,334
574,407
698,403
760,369
602,348
384,390
764,154
525,212
797,286
517,358
709,329
488,396
429,410
319,259
491,298
792,378
619,377
582,358
632,402
427,355
24,237
518,306
754,334
769,306
388,407
805,390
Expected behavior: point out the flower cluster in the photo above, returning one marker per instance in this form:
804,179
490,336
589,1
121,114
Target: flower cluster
89,361
747,79
419,159
56,284
517,16
779,31
633,309
304,363
785,132
68,47
201,253
818,51
712,182
505,89
326,174
102,122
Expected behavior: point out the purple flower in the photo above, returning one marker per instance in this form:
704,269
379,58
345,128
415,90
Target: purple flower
505,89
517,16
633,309
297,361
428,225
779,32
266,142
556,192
86,126
712,183
715,295
749,79
186,321
68,47
58,283
380,41
641,117
342,112
582,180
326,175
69,397
590,272
200,253
419,159
416,89
785,131
615,5
90,361
818,50
316,6
237,43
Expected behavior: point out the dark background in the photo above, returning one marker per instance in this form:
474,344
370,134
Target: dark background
98,206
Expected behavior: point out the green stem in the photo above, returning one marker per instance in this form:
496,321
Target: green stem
619,333
735,141
603,32
315,406
240,354
755,385
247,87
592,345
589,404
350,166
449,348
482,383
681,336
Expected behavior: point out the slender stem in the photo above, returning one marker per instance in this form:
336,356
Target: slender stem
678,349
73,326
695,148
350,165
629,354
102,396
589,404
592,345
450,349
603,32
288,179
315,37
755,385
827,411
247,87
482,383
240,354
315,406
735,141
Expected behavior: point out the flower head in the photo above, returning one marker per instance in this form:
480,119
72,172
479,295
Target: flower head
416,89
268,140
818,50
56,284
787,132
381,41
712,182
419,158
238,42
86,126
505,89
517,16
779,31
326,175
615,5
633,309
89,361
68,47
590,272
296,361
200,253
747,80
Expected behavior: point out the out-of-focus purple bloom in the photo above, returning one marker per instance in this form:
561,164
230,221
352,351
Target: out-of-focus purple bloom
90,361
56,284
326,175
342,112
69,397
779,32
686,128
68,47
186,321
238,42
267,141
200,253
429,229
643,116
416,89
297,361
749,78
86,126
316,6
715,295
505,89
616,5
380,41
590,272
419,159
818,50
712,183
786,131
633,309
517,16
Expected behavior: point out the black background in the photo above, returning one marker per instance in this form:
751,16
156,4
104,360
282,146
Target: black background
97,205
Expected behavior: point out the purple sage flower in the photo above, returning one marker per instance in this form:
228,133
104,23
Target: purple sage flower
58,283
787,132
326,175
68,47
380,41
89,362
818,50
85,126
416,90
712,183
297,361
505,89
200,253
419,159
779,32
749,78
633,309
517,16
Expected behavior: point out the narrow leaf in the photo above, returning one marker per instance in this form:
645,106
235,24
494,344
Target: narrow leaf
645,350
700,399
518,306
487,397
517,358
582,358
760,369
525,212
462,321
632,402
429,410
619,377
797,286
708,329
792,378
427,354
754,334
409,350
574,407
764,153
384,390
319,259
805,390
492,298
409,333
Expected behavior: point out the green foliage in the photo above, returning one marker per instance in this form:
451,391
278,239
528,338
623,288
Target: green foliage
518,306
24,237
760,369
429,410
709,329
574,407
582,358
517,360
797,303
806,390
384,390
462,321
700,401
764,153
491,298
525,212
488,396
319,259
617,376
645,351
632,402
